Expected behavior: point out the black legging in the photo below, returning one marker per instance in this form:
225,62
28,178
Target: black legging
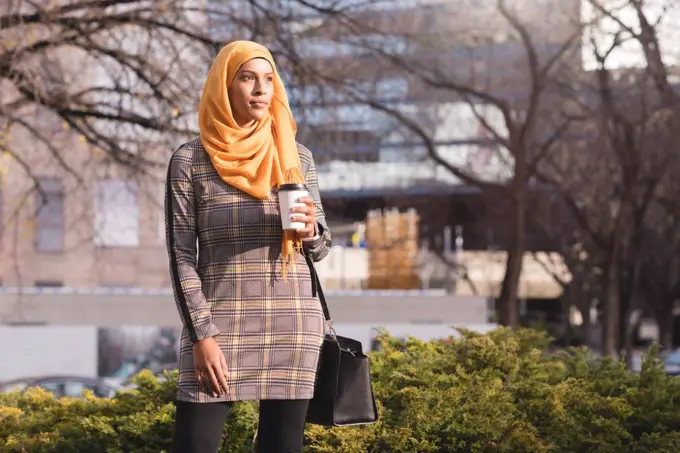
199,426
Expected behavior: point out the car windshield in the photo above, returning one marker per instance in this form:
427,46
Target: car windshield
14,387
75,388
673,358
56,388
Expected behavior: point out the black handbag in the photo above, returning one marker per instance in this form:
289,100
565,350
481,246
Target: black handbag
343,394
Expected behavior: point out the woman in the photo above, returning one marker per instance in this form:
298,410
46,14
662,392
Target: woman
252,330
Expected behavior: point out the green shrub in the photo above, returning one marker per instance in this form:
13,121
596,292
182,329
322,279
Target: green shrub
136,421
481,393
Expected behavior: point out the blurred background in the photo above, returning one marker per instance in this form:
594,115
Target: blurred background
481,163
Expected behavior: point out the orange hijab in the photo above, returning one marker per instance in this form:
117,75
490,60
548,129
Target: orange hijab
255,158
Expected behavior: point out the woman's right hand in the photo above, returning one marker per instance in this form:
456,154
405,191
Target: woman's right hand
211,367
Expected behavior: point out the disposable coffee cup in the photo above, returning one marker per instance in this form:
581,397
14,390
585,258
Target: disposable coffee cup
289,196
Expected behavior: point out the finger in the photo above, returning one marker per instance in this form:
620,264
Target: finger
213,381
302,209
307,200
306,219
223,361
222,375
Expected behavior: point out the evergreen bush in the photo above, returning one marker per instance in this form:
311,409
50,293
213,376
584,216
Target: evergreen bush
497,392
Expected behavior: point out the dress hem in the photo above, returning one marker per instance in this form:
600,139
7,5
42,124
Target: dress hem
202,398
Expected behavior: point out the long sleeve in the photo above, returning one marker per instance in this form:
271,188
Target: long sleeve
180,229
319,247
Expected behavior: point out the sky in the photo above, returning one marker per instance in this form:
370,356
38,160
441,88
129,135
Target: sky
629,54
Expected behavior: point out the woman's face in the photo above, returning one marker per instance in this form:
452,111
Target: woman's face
251,91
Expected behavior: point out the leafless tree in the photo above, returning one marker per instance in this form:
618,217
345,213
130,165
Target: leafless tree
101,85
612,175
659,261
123,75
491,62
91,89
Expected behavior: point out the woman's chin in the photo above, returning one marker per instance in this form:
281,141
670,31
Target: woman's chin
253,117
258,115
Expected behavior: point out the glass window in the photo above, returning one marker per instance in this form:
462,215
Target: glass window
14,387
392,88
673,358
345,145
56,388
321,47
49,216
116,214
74,389
48,284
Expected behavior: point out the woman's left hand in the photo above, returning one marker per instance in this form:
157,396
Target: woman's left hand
306,214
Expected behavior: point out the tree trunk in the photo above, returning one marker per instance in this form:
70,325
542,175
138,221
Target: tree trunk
665,322
567,302
629,327
626,310
587,326
611,310
507,301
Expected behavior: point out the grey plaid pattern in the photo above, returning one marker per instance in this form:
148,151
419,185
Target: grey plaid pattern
225,262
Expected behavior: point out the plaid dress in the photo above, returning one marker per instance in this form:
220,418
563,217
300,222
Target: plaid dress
225,263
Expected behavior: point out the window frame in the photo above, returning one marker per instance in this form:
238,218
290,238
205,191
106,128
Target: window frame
49,187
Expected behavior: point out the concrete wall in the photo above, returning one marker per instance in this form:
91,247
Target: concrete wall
54,331
27,351
157,308
32,351
344,268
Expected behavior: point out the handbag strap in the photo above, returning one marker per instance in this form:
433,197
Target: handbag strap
317,289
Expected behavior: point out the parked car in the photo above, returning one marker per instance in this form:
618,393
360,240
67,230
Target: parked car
62,385
671,363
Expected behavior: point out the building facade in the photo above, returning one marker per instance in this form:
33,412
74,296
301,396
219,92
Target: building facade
105,228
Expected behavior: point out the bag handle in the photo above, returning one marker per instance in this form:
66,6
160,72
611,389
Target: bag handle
317,290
